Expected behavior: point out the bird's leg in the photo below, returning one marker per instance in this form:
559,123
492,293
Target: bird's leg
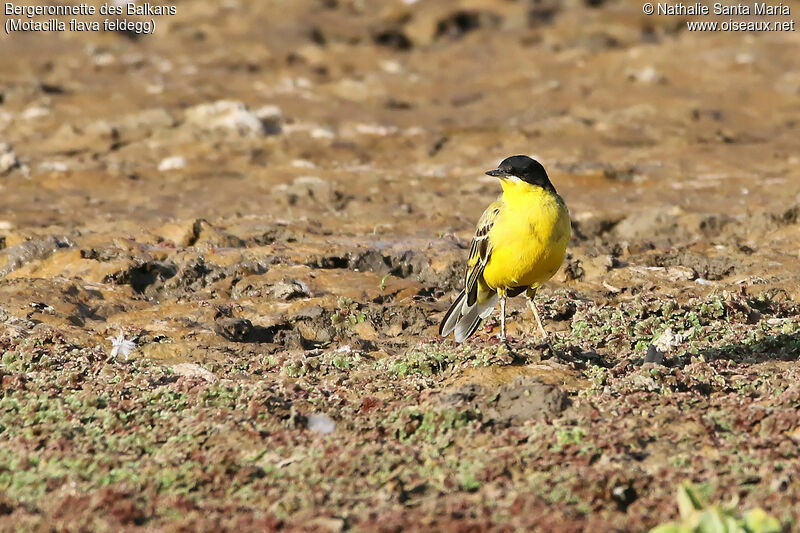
530,294
503,318
538,320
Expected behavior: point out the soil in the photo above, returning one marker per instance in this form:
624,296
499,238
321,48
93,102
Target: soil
274,203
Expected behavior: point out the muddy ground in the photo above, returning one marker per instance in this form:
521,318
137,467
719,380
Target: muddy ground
273,202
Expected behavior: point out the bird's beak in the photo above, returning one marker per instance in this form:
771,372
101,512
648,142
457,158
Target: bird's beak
497,173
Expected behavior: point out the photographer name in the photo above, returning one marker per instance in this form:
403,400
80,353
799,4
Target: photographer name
757,8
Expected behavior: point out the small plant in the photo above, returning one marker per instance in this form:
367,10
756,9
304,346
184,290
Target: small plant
570,436
347,314
344,360
598,376
698,517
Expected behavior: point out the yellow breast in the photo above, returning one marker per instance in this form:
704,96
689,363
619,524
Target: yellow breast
528,239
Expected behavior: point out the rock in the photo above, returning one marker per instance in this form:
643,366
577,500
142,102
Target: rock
180,233
234,329
322,133
242,330
374,129
649,225
309,313
53,166
66,139
151,119
352,90
654,355
34,113
207,235
646,75
137,126
289,289
8,159
306,189
321,423
249,287
32,251
225,117
271,118
257,287
324,523
172,163
194,370
100,129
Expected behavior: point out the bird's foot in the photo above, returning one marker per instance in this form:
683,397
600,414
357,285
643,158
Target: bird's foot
508,340
505,354
544,343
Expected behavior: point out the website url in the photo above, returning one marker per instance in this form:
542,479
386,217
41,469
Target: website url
738,25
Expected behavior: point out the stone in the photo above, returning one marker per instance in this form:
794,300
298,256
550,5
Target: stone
8,159
225,117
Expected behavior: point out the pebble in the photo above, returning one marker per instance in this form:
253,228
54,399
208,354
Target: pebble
321,423
8,159
35,112
53,166
322,133
645,75
289,289
306,188
194,370
271,118
172,163
227,116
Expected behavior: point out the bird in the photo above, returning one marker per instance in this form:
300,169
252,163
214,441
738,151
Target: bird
519,244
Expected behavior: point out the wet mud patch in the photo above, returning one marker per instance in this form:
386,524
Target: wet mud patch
242,330
702,265
405,318
402,264
520,401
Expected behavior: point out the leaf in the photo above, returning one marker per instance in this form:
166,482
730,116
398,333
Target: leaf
698,517
758,521
712,521
688,501
671,527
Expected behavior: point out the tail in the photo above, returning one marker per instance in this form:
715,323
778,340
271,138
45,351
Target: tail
465,319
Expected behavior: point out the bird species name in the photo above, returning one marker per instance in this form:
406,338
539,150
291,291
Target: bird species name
145,9
757,8
55,25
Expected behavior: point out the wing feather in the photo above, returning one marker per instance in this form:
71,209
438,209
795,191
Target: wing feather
480,251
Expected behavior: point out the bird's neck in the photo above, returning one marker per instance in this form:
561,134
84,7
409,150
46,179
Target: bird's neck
520,193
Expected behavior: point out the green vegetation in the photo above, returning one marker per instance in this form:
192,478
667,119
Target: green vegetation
145,444
699,517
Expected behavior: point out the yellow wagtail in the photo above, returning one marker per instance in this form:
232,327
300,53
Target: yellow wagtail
519,244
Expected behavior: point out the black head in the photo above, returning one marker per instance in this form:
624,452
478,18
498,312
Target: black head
526,169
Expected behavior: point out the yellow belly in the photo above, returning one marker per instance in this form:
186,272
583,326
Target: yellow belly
528,239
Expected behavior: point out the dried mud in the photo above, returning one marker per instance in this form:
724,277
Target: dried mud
274,203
